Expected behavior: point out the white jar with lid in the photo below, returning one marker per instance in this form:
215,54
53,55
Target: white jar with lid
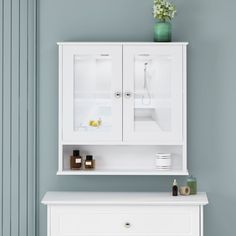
163,161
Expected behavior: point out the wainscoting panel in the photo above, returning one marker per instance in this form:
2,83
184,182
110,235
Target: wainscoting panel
17,117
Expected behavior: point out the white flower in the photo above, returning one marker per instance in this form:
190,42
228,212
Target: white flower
163,10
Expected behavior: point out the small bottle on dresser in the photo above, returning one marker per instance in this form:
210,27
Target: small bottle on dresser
76,160
175,188
89,163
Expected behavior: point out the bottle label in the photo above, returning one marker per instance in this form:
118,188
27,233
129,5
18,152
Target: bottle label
88,163
77,160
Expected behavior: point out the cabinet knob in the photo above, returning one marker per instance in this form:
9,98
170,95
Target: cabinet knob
127,225
128,94
117,94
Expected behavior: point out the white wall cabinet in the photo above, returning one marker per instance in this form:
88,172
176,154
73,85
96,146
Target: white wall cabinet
119,94
80,213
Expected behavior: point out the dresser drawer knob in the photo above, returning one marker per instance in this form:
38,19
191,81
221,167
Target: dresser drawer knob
127,225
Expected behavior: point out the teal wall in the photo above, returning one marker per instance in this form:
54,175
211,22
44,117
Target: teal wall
206,24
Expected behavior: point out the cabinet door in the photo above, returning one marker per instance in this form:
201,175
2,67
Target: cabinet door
92,93
153,87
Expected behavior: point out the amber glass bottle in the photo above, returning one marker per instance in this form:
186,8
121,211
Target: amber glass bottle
76,160
89,163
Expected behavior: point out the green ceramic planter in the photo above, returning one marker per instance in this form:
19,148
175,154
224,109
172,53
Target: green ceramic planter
162,32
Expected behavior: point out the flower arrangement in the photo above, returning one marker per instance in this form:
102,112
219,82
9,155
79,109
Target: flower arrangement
163,10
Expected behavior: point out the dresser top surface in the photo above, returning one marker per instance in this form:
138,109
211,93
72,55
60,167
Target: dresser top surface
122,198
122,43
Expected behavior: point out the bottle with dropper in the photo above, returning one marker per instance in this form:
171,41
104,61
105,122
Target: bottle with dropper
175,188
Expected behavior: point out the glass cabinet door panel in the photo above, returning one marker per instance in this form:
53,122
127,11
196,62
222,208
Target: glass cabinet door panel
92,79
92,96
152,93
154,108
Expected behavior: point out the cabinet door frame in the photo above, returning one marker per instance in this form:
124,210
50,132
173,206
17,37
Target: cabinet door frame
129,135
67,52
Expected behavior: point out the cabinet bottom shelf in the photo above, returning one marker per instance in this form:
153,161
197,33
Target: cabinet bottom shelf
123,172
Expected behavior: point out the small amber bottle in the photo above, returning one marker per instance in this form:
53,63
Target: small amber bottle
89,163
76,160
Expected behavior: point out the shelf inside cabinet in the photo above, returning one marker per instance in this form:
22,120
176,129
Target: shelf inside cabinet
124,160
123,172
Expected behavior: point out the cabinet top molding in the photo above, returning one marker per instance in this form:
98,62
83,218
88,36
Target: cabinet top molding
123,43
122,198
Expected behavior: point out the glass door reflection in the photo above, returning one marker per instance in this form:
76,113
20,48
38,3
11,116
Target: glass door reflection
92,93
152,93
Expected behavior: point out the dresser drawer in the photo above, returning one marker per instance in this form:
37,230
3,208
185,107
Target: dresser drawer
72,220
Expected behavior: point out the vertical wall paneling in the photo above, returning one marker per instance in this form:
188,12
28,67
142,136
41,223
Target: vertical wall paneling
1,102
23,118
6,154
17,117
32,9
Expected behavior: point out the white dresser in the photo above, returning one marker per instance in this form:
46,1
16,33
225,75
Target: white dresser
124,214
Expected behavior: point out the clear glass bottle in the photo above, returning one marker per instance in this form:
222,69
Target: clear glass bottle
89,163
76,160
192,183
